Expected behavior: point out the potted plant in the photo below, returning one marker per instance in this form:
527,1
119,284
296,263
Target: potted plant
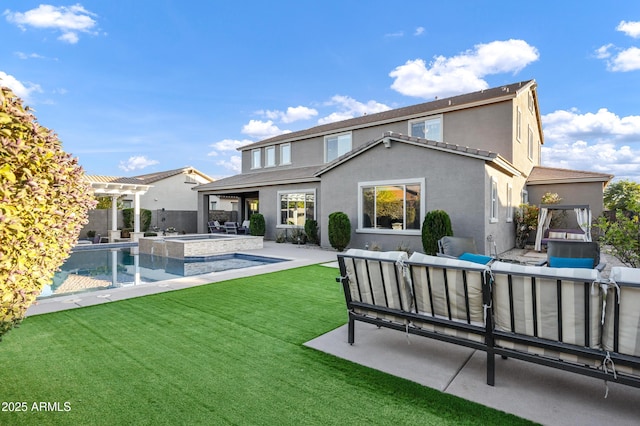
170,231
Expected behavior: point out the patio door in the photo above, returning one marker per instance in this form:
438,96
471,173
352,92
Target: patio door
251,207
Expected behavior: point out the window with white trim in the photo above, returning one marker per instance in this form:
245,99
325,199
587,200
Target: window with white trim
285,153
509,203
256,160
392,206
530,144
270,156
493,214
519,125
524,197
530,99
296,207
336,145
427,128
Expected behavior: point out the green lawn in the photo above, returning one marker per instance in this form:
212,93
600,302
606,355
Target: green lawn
224,353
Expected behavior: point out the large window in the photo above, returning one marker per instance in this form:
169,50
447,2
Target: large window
256,160
296,207
270,156
395,206
285,153
335,146
427,128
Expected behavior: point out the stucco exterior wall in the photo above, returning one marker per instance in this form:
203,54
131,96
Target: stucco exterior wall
444,189
590,193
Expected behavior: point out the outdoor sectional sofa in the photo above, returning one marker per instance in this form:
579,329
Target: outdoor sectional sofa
567,318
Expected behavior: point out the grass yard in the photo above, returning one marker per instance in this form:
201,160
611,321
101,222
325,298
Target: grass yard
224,353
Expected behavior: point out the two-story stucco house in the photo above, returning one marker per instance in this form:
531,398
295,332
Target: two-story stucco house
469,155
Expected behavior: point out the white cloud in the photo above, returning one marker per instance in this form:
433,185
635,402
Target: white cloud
604,51
227,145
419,31
350,108
234,164
631,28
136,163
462,73
396,34
22,90
601,142
626,60
291,115
69,20
262,129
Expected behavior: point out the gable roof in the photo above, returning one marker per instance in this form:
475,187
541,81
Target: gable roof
157,176
388,137
272,177
548,175
467,100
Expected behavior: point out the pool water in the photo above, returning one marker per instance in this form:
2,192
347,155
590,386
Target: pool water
98,269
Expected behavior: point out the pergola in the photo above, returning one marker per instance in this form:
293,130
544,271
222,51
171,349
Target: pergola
583,217
116,187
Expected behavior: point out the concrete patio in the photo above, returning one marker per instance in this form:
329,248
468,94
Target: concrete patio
541,394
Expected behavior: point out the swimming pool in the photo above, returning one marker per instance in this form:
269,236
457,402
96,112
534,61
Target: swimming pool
99,269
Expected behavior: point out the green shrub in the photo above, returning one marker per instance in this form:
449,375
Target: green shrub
257,226
621,237
128,219
45,199
436,225
311,229
339,230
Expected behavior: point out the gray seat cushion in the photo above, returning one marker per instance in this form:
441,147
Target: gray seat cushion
456,246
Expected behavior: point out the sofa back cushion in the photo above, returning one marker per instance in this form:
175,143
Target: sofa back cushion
456,246
376,278
448,288
560,304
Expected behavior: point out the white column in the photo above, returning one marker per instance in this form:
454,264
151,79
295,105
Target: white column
114,212
136,212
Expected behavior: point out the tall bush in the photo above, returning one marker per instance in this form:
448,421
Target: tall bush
436,225
621,237
145,219
339,230
44,205
257,226
311,229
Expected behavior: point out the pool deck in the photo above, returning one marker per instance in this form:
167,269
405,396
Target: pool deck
541,394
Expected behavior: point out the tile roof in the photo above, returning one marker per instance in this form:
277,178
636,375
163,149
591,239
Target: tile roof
440,105
273,177
545,175
441,146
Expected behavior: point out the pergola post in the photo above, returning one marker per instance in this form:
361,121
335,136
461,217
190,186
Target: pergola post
136,218
114,233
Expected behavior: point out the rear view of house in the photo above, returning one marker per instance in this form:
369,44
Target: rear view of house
469,155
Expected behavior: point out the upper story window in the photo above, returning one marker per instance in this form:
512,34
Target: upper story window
285,153
336,145
530,102
519,125
256,159
530,144
427,128
270,156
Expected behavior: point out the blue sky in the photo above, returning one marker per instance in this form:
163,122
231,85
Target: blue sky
135,87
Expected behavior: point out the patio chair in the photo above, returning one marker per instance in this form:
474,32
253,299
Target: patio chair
214,226
244,228
231,227
573,254
454,247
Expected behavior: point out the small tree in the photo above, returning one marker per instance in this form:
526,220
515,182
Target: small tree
339,230
311,229
621,238
257,226
526,222
145,219
436,225
622,195
45,199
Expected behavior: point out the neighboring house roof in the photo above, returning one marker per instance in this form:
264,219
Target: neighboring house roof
468,100
388,137
154,177
549,175
273,177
